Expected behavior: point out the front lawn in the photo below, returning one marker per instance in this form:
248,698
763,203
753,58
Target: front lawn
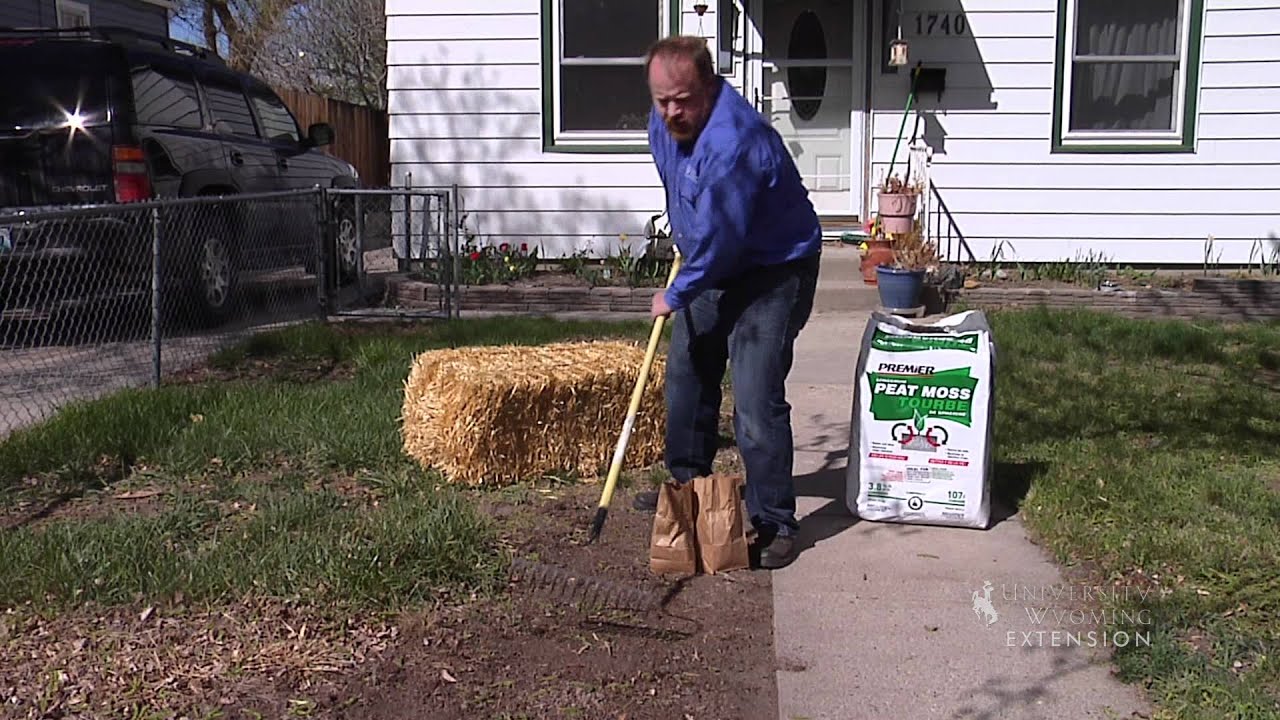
263,499
251,534
1150,449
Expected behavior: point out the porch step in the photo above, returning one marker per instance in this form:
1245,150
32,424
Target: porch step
833,226
840,285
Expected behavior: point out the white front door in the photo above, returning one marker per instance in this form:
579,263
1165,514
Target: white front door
806,92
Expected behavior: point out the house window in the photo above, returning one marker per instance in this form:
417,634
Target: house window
72,14
595,97
1127,75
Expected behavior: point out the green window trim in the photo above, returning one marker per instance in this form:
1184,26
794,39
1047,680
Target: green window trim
1181,140
551,93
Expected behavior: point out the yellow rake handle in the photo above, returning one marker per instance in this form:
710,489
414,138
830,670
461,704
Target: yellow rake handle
628,425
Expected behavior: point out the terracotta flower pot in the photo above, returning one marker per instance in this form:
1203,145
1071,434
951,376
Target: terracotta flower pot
879,251
897,211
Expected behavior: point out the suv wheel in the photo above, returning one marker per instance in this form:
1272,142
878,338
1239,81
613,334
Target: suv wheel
211,271
345,241
216,276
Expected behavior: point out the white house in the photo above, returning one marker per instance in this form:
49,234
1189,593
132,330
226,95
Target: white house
1057,127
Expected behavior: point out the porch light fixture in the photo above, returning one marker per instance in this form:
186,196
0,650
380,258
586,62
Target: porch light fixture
898,52
898,46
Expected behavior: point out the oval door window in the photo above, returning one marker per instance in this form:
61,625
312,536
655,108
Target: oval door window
807,84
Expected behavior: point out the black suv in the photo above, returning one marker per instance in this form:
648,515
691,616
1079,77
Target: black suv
109,115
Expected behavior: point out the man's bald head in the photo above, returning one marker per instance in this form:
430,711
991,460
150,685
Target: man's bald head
682,82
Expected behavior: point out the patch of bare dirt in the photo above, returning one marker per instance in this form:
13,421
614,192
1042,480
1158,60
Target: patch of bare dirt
708,653
36,499
292,369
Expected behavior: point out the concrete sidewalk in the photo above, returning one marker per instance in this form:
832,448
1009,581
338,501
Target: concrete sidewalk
881,620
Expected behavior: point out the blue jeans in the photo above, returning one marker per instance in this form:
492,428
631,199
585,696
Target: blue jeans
752,323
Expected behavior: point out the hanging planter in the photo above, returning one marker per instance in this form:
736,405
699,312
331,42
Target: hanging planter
896,206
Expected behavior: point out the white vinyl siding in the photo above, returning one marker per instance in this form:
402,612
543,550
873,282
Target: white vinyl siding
465,100
996,169
467,97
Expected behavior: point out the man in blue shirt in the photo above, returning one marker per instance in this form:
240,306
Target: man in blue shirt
750,244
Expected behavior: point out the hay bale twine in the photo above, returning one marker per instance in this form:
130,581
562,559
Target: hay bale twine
496,415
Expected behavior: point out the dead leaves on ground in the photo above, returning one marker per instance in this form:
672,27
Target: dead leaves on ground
172,659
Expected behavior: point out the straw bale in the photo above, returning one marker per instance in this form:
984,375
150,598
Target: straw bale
495,415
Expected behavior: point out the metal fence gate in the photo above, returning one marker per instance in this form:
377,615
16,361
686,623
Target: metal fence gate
411,231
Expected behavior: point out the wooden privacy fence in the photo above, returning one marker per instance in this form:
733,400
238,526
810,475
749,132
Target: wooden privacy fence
360,133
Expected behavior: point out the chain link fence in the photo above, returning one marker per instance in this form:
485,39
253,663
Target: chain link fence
96,299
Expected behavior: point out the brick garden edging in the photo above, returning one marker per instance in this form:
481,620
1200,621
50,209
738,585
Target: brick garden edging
1235,300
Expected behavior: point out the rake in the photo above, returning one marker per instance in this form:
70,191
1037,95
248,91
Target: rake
615,467
587,591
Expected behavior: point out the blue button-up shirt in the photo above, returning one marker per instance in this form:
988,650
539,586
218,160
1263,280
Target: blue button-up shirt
734,198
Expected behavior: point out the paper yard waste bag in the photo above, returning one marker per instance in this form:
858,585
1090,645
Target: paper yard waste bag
720,529
672,545
920,442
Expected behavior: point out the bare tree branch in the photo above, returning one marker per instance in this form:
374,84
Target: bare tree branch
335,48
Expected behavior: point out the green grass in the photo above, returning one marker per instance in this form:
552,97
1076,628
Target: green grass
1150,447
250,469
349,424
316,545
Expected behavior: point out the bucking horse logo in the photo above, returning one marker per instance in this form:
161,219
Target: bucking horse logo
982,605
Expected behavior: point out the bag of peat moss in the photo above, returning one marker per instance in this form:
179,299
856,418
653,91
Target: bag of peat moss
920,444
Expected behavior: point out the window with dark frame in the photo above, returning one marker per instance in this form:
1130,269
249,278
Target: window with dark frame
1127,74
600,84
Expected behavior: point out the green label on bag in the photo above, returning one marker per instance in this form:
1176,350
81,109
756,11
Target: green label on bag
945,394
915,343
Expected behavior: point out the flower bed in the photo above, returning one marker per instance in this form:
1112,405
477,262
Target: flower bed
519,266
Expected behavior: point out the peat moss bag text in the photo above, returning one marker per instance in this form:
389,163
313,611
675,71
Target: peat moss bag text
923,414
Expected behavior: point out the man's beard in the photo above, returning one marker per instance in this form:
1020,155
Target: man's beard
681,131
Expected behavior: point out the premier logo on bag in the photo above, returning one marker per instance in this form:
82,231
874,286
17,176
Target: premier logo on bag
921,430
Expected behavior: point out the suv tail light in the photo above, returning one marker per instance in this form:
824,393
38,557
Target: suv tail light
130,168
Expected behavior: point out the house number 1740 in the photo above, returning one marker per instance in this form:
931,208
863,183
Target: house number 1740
940,23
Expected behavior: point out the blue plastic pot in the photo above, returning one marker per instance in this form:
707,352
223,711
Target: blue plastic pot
899,288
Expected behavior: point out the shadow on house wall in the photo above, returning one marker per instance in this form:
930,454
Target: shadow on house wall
940,41
488,141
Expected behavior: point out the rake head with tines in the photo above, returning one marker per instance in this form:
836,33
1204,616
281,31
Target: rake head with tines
583,590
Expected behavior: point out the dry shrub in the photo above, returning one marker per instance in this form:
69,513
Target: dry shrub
913,251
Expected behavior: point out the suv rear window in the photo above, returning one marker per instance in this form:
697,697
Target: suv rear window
165,98
57,81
